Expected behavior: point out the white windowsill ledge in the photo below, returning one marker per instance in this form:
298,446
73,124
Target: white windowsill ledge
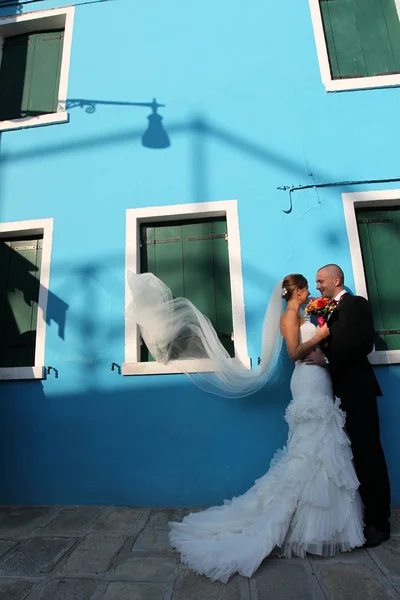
13,373
174,367
41,120
385,357
362,83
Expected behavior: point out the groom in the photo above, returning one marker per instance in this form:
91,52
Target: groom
354,382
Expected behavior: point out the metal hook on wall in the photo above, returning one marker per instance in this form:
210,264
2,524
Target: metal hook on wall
285,188
115,367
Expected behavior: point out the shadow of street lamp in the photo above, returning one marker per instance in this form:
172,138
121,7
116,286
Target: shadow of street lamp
155,136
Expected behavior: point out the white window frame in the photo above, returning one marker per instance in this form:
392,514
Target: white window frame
136,216
338,85
38,21
351,201
36,227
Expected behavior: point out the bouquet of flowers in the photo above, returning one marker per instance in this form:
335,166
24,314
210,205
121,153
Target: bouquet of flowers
321,308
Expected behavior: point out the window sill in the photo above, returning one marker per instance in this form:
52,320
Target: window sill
385,357
174,367
13,373
50,119
362,83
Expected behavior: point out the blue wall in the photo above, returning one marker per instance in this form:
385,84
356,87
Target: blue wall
246,112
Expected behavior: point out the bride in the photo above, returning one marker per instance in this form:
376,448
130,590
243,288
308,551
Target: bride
308,500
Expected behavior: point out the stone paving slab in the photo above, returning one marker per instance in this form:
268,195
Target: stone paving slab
395,524
92,555
197,587
136,591
359,555
72,520
160,518
34,557
281,579
153,542
150,569
24,521
68,589
6,545
354,582
14,589
387,557
123,553
4,510
119,519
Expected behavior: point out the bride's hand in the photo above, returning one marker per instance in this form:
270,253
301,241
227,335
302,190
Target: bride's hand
323,332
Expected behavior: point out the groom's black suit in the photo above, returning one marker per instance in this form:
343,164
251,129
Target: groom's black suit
354,382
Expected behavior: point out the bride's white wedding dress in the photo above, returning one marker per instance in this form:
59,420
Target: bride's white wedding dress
307,501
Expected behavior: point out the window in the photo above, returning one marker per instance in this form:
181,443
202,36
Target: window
30,74
20,263
373,225
191,258
358,42
195,250
34,68
24,272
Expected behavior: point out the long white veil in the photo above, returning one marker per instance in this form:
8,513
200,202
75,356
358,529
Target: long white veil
173,329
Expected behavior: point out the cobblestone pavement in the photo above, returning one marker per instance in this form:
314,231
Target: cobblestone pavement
122,553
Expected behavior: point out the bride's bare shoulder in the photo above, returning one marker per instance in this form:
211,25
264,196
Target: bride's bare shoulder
290,318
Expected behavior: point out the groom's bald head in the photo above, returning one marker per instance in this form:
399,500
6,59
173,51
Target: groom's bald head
330,280
333,271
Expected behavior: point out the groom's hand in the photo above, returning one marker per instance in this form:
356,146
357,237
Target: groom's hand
316,357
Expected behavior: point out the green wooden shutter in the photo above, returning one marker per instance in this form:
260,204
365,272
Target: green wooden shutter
392,22
379,232
20,262
206,274
191,258
362,37
161,254
198,264
14,76
45,79
343,42
30,74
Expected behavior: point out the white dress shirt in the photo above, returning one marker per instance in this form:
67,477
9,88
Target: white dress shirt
340,295
337,299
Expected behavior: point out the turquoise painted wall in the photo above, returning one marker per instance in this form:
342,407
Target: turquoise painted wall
246,112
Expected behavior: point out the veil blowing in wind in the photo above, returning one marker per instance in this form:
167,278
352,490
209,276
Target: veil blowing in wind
174,329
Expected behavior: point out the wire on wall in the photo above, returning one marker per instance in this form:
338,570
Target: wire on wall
27,2
292,188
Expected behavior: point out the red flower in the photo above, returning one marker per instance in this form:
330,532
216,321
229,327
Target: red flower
321,303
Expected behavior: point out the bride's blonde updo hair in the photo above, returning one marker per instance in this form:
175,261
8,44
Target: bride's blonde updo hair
290,283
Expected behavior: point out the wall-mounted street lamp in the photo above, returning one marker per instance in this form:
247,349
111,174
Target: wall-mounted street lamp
154,137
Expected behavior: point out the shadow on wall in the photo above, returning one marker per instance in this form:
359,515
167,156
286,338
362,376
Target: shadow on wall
11,7
143,446
199,129
20,290
91,326
16,8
